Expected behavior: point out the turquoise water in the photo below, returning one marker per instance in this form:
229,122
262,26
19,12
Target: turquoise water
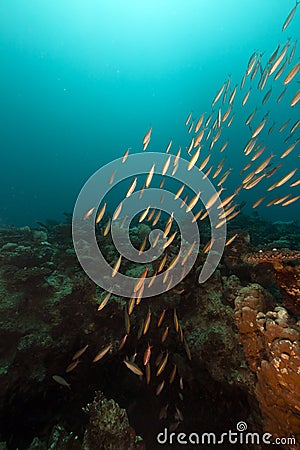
81,81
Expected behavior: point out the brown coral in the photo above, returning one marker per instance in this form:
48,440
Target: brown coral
271,345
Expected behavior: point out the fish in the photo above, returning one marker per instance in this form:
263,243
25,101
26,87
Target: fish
147,136
125,156
230,240
166,166
173,374
162,263
101,213
187,350
112,177
178,415
258,153
253,182
295,99
168,225
279,59
122,342
176,321
199,123
232,95
280,71
292,52
169,146
160,387
274,54
263,165
72,366
204,163
165,334
218,95
246,96
213,199
131,187
102,353
143,245
291,200
227,113
250,117
147,322
163,412
117,211
193,159
250,146
144,214
170,240
156,218
161,318
104,301
88,213
147,354
162,365
107,228
292,73
295,183
259,128
290,17
295,126
61,380
80,352
179,192
258,202
267,96
133,367
141,279
283,126
224,177
150,176
283,180
188,119
148,373
280,97
193,202
289,149
116,266
131,305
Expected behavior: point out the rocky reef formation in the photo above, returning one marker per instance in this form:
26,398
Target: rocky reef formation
230,346
271,343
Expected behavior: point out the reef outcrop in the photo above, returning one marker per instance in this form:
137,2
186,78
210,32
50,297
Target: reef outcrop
271,343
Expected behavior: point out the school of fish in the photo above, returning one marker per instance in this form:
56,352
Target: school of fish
209,139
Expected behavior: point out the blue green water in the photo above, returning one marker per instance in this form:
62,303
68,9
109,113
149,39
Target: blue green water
83,80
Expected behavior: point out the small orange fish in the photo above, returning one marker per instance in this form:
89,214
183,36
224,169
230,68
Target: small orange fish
72,366
102,353
80,352
147,354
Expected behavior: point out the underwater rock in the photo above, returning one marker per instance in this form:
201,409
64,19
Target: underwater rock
109,428
287,276
60,439
270,340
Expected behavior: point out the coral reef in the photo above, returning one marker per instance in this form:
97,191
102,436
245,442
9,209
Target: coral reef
233,346
109,427
270,339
